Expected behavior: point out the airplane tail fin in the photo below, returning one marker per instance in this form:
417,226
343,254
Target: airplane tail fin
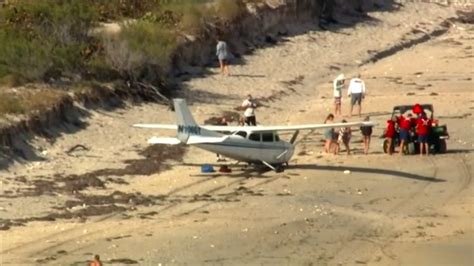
187,126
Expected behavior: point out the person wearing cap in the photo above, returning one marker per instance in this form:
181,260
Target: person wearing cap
338,85
356,91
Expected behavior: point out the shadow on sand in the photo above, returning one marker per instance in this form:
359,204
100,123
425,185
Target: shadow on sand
366,170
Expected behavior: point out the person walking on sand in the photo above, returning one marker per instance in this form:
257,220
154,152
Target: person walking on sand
329,136
96,261
222,54
366,134
250,105
338,85
357,92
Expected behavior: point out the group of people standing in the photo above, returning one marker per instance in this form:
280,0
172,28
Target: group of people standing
336,137
406,124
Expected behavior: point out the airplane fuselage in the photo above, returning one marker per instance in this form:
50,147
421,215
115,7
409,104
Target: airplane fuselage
252,151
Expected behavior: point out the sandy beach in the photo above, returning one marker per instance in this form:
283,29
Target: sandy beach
135,204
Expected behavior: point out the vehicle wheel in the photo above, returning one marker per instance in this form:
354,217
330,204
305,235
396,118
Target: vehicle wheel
280,168
441,146
410,147
405,149
385,146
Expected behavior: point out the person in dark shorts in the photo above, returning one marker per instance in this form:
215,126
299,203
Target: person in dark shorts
250,105
405,124
366,134
356,91
422,129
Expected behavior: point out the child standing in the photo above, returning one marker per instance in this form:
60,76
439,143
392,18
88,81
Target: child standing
344,137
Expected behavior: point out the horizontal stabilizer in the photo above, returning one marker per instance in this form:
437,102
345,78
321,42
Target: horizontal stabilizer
203,140
162,140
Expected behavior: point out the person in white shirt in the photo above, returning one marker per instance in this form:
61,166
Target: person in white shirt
357,92
338,85
249,113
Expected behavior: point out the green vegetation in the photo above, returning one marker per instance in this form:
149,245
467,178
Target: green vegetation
47,40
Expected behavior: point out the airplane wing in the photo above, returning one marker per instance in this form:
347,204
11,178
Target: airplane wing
263,128
164,140
157,126
287,128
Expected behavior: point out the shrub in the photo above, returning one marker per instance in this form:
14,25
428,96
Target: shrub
144,50
10,104
229,9
25,101
42,36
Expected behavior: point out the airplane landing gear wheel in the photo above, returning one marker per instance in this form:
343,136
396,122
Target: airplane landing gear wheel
279,168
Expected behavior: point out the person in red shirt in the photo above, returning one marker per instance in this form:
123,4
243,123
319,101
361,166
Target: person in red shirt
390,133
417,109
422,130
405,124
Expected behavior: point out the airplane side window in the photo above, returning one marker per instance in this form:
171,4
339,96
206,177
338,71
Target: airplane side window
254,137
267,137
241,133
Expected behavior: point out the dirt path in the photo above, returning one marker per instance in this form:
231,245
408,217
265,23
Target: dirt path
387,211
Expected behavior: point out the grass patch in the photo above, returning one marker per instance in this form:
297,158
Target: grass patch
10,104
28,100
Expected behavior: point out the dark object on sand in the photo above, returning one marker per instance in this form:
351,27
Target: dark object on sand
225,169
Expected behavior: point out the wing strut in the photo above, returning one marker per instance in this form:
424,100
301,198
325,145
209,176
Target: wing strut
295,135
269,165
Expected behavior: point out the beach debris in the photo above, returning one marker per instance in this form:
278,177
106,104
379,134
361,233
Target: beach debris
75,147
347,172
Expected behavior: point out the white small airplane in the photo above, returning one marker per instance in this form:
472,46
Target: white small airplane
251,144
